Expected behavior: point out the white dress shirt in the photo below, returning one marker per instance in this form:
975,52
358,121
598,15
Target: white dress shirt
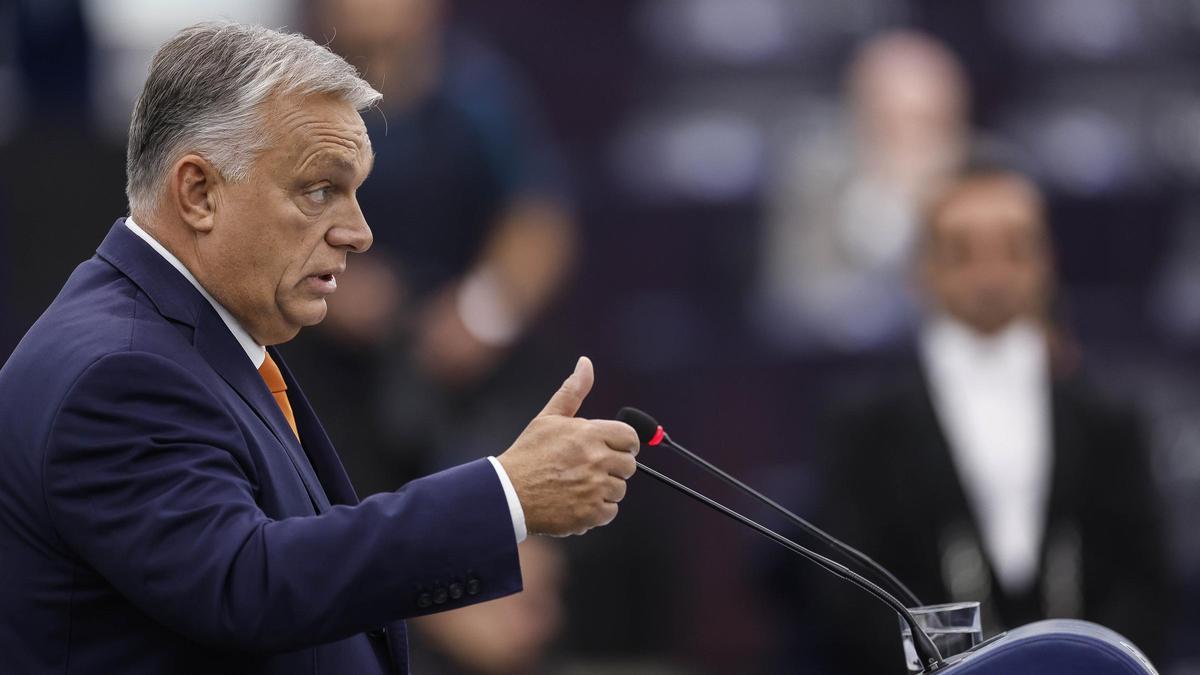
258,354
992,396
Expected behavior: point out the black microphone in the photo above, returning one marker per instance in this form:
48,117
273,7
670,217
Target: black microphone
926,650
651,433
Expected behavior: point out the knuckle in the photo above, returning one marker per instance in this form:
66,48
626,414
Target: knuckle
620,491
630,437
596,455
610,514
628,467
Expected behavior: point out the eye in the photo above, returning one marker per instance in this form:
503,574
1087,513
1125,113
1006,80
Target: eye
320,195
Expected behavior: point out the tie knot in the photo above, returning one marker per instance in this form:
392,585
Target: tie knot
271,375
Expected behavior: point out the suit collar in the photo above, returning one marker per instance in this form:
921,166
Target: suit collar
178,300
171,293
254,351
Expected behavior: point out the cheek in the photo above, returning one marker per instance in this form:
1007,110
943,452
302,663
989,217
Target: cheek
289,267
282,248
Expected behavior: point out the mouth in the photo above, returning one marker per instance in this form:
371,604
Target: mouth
322,283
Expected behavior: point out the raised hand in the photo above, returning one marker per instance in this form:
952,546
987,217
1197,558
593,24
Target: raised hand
570,473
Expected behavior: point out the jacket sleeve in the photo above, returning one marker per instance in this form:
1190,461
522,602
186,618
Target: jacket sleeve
147,481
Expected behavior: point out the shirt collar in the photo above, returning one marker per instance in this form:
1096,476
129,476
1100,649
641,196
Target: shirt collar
1016,352
254,351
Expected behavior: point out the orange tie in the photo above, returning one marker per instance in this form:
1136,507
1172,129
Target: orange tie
274,379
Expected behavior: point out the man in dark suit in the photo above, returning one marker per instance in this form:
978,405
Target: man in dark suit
168,500
987,470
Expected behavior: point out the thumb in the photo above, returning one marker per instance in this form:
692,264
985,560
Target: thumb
574,389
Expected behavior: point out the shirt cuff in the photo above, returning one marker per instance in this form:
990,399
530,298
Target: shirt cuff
514,504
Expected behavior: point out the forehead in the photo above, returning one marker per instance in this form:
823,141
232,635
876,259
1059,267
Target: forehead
318,129
989,205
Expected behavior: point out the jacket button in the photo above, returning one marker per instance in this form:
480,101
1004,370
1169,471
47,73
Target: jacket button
472,586
424,601
439,595
456,591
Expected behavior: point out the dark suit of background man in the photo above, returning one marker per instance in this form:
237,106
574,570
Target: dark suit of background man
168,500
987,472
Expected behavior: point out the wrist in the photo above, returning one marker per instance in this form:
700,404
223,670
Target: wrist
485,310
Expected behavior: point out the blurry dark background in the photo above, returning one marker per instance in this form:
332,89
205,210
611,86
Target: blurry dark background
672,121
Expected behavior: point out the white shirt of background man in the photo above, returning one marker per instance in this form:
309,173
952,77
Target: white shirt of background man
992,397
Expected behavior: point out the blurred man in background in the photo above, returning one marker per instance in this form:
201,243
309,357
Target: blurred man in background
988,472
842,217
474,238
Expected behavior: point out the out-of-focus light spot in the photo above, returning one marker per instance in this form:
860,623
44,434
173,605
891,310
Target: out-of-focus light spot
714,157
1084,150
706,156
752,32
145,24
749,30
1088,29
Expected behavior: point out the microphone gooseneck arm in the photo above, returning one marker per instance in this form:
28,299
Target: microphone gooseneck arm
896,586
651,433
927,651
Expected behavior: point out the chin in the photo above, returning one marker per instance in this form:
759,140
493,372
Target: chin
312,313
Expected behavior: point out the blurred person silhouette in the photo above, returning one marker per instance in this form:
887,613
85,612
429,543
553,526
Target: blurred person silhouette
842,212
474,238
426,350
989,468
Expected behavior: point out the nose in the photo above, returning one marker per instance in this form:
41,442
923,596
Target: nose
352,232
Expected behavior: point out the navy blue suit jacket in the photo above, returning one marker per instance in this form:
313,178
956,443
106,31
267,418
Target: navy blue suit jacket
157,515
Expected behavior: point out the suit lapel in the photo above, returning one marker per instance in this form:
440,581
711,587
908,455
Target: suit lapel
178,300
1059,575
952,514
937,463
226,356
1065,443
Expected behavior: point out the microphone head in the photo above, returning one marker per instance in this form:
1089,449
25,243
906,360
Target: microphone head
649,431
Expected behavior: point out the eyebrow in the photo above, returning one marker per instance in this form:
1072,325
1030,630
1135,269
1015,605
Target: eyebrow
338,161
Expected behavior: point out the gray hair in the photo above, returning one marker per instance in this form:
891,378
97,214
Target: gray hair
205,92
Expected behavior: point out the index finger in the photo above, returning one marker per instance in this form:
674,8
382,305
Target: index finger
618,435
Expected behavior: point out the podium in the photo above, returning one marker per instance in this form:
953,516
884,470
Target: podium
1053,647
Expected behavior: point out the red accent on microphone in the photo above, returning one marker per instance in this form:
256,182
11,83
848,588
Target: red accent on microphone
659,435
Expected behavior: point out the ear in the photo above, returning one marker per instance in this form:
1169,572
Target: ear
192,191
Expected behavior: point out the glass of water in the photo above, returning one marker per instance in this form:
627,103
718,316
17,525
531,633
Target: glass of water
954,628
